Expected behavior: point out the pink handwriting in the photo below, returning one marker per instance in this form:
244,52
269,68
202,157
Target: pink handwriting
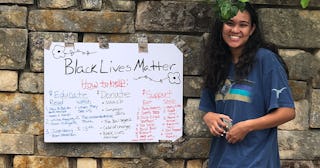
156,95
90,85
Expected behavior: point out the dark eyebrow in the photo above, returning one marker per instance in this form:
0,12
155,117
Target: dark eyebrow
245,22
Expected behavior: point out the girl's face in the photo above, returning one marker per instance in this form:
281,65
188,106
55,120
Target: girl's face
237,31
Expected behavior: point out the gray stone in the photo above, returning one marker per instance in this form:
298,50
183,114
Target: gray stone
316,77
192,86
31,82
299,63
173,16
176,163
13,16
87,163
21,161
188,148
26,2
132,163
8,80
4,161
81,21
99,150
91,4
299,89
315,71
317,54
16,144
301,121
193,123
112,38
313,3
180,21
21,113
123,5
299,145
315,109
191,59
37,42
13,49
316,81
139,163
291,28
299,164
194,163
56,3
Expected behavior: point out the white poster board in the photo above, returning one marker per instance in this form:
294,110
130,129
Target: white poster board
112,95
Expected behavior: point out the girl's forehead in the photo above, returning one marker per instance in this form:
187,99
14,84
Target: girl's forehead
242,16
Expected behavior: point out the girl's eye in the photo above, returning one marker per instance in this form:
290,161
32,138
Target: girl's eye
229,23
244,24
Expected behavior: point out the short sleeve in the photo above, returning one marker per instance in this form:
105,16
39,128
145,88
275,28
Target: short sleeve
207,101
277,90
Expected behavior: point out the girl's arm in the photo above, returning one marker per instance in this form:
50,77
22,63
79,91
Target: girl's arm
273,119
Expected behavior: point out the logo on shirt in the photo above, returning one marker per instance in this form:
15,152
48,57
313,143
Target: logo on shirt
279,91
240,90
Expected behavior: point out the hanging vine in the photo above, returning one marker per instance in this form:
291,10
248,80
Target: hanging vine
226,9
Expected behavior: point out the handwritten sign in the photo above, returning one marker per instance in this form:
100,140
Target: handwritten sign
112,95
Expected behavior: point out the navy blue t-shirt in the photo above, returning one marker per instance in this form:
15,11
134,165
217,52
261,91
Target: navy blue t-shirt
265,89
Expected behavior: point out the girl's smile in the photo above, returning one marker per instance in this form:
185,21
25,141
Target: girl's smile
237,31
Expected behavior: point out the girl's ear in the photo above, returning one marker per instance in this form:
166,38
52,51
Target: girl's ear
253,29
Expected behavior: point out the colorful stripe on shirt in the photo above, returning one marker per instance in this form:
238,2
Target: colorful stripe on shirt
240,91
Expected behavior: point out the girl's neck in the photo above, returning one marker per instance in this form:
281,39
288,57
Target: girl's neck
235,55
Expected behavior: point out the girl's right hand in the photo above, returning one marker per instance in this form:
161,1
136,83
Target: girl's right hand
215,123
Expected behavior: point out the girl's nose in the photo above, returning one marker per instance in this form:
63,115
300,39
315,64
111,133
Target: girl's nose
235,29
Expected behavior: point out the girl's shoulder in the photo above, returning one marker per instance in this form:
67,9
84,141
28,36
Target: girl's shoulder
268,61
264,52
266,56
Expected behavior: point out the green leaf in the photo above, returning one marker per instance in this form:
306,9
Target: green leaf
233,11
241,6
225,11
304,3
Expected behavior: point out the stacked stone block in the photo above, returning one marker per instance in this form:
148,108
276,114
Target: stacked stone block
25,25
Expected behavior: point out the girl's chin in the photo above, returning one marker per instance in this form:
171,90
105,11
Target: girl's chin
233,45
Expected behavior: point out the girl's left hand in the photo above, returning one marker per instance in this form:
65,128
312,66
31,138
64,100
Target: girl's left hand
237,132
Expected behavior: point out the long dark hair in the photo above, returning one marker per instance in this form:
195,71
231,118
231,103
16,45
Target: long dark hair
218,57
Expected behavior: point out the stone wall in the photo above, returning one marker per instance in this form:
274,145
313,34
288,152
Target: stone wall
25,24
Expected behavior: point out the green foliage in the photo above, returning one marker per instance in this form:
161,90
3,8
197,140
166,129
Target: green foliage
227,9
304,3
